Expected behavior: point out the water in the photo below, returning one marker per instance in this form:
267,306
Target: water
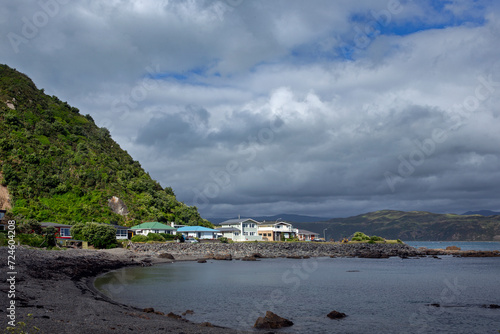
464,245
378,295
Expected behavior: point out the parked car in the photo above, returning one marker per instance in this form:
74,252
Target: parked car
191,240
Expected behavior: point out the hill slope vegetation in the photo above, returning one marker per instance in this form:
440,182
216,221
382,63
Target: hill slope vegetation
59,166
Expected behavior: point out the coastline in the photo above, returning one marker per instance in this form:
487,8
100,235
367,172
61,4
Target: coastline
57,287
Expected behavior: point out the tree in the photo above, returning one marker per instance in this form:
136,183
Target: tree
98,235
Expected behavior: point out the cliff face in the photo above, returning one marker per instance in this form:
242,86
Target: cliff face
57,165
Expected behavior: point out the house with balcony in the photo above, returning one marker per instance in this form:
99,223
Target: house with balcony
245,229
276,231
63,230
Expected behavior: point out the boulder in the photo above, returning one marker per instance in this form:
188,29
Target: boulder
149,310
174,316
223,257
453,248
188,312
166,256
336,315
248,258
202,261
272,321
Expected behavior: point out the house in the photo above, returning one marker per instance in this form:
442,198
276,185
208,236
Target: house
152,227
240,229
63,230
305,235
122,232
199,232
276,231
3,224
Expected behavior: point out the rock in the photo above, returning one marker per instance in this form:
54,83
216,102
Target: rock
159,313
166,256
453,248
257,255
149,310
174,316
336,315
272,321
223,257
188,312
206,324
118,206
248,258
202,261
434,305
492,306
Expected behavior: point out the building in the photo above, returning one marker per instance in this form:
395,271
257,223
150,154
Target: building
199,232
63,230
240,229
276,231
122,232
3,225
305,235
152,227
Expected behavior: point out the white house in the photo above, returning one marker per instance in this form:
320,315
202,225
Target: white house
152,227
240,229
276,231
305,235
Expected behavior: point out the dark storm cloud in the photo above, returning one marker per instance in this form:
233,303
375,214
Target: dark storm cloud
262,107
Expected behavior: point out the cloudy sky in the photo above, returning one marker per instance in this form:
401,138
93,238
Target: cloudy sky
260,107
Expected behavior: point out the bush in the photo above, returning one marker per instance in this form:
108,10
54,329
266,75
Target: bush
375,238
155,237
98,235
223,240
139,238
167,236
360,236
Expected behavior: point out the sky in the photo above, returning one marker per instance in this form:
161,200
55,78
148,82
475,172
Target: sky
261,107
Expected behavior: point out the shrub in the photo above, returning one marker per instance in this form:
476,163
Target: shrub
375,238
98,235
167,236
223,240
139,238
155,237
360,236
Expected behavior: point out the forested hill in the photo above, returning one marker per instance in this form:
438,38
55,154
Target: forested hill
58,166
411,225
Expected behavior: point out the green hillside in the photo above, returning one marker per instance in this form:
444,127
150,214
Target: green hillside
58,166
413,225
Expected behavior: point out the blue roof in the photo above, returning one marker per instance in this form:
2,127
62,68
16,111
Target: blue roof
195,229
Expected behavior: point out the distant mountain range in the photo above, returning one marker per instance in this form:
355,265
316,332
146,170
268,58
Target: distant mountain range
485,213
413,225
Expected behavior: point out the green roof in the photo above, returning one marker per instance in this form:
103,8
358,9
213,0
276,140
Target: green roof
152,226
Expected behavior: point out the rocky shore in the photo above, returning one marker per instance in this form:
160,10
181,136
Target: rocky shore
184,251
56,287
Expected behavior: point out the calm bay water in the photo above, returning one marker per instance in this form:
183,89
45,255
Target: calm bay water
378,295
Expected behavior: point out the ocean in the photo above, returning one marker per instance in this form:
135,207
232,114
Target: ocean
378,295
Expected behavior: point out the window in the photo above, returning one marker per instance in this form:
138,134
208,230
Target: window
236,233
245,225
245,233
252,225
64,232
121,233
252,233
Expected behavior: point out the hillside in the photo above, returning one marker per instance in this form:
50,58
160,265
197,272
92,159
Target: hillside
413,225
58,166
